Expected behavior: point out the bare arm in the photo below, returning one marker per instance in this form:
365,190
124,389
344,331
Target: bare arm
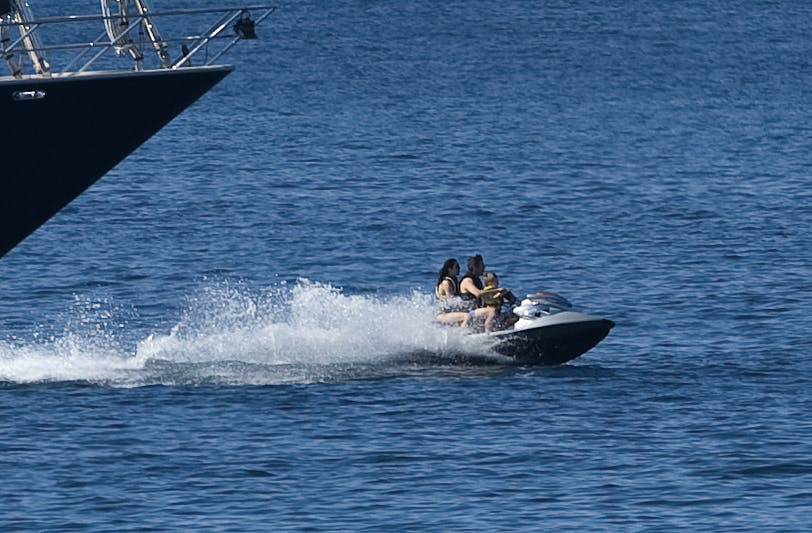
468,286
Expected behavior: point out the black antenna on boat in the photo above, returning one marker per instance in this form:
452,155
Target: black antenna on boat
244,27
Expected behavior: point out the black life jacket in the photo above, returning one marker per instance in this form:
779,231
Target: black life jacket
467,295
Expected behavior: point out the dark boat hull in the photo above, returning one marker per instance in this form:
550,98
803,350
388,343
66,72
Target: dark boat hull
61,135
553,343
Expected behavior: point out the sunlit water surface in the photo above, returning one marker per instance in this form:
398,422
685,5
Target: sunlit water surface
232,330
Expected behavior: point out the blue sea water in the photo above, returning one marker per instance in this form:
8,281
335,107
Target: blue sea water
230,331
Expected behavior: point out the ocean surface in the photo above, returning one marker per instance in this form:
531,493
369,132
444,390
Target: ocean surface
232,330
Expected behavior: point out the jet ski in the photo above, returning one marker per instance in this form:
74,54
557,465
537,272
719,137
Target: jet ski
549,331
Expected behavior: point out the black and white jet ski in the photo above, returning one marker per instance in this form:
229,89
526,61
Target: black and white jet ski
549,331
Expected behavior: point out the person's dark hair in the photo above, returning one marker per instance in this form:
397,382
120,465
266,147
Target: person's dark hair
474,262
446,270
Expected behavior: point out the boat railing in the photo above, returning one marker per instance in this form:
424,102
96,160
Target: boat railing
128,36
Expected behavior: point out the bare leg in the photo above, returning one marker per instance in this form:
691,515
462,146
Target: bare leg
488,313
457,317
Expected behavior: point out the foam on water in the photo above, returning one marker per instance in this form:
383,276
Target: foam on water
229,333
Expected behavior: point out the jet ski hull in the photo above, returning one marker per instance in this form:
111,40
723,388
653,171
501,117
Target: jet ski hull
552,340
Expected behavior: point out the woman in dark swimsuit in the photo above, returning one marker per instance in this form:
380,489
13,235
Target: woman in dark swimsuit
452,310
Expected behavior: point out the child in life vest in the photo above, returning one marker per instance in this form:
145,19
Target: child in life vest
495,299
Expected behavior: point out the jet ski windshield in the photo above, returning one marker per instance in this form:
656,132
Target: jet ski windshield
542,303
550,299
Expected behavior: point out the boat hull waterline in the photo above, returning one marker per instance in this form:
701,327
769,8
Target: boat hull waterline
71,112
61,142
